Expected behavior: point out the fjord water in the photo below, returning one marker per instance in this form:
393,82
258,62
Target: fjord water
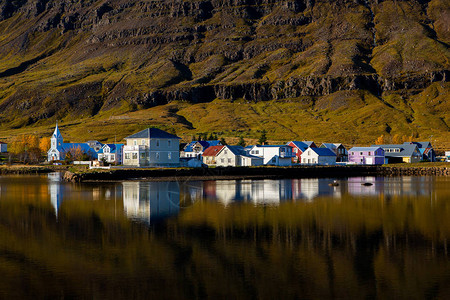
248,239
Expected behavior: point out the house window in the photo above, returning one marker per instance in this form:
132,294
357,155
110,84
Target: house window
370,153
360,153
222,160
225,152
169,143
157,143
169,155
143,142
143,155
135,156
127,155
295,150
274,160
157,155
229,160
353,153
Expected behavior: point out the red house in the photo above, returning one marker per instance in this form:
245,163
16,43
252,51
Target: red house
299,147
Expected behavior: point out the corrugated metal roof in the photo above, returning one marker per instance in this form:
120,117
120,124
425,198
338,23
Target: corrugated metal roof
406,150
360,149
301,145
152,133
323,151
212,151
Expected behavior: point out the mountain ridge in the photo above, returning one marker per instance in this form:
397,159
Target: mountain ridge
70,60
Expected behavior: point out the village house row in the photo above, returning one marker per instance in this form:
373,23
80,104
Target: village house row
155,147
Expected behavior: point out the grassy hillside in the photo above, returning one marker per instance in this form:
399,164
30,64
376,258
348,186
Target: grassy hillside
291,68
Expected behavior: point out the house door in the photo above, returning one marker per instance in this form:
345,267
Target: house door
369,160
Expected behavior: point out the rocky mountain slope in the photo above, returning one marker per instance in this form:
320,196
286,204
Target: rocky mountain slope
367,67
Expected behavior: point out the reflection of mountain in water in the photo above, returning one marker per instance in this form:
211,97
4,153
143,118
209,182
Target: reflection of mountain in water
145,201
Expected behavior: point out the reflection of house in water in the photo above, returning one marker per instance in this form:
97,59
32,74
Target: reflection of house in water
145,201
256,191
356,186
310,188
391,186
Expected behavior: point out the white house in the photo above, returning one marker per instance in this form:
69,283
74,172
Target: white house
112,153
3,147
318,156
152,147
236,156
277,155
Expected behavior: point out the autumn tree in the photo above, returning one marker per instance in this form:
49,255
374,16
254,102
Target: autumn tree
380,140
406,138
44,144
26,148
396,139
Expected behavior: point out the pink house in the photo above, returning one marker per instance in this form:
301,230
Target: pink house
366,155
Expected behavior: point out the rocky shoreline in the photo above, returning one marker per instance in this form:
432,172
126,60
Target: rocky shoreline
25,169
236,173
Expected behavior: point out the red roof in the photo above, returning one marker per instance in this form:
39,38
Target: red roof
212,151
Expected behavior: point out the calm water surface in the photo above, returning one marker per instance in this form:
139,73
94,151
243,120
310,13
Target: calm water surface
249,239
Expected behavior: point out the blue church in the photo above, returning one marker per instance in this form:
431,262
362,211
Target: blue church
58,148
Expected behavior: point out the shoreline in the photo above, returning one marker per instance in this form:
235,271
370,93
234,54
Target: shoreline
229,173
30,169
248,173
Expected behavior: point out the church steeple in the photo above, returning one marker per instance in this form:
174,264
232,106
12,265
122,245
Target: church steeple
56,138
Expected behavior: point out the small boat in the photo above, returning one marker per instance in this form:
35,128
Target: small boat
334,183
367,184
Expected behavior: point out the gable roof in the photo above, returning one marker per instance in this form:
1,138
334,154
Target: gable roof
214,143
406,150
309,143
420,145
152,133
237,150
190,147
212,151
240,151
322,151
271,146
112,147
360,149
301,145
